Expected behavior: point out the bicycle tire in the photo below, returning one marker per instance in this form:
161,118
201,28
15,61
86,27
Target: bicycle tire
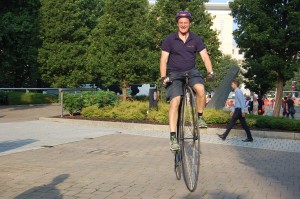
190,140
178,165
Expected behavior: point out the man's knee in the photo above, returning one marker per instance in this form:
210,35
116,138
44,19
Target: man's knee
199,89
175,102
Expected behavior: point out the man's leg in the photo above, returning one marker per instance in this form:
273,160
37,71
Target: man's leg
173,113
231,124
200,97
246,127
200,100
173,117
292,114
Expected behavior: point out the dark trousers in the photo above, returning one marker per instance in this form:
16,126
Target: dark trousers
237,115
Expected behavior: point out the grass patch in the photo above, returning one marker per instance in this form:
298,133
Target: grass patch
21,98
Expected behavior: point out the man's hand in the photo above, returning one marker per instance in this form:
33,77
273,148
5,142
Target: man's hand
164,80
210,77
243,115
231,114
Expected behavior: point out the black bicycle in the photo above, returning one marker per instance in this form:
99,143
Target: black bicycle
187,159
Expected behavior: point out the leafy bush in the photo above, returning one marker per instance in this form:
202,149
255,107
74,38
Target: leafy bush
213,116
124,110
99,98
22,98
75,102
3,98
138,111
140,98
276,123
160,115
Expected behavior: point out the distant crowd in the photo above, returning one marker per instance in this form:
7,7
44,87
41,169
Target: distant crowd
258,104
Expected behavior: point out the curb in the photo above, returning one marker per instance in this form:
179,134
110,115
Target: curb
155,127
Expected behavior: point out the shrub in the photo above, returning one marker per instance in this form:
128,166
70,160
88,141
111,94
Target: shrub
3,98
138,111
73,103
160,115
22,98
99,98
140,97
124,110
213,116
276,123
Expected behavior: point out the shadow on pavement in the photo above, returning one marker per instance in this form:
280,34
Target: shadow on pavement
224,194
45,191
10,145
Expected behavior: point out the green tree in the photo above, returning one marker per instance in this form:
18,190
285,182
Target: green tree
296,78
119,51
268,32
65,28
162,19
19,43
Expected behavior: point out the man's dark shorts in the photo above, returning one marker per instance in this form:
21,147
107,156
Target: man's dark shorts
174,88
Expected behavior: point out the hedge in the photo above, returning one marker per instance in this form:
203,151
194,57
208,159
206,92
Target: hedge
22,98
138,111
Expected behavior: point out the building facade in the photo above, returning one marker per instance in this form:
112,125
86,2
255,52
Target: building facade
223,24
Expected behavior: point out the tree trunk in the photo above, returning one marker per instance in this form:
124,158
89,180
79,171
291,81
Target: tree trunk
124,89
278,99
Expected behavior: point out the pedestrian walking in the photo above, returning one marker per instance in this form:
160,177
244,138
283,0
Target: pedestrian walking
260,101
238,113
290,108
249,105
284,106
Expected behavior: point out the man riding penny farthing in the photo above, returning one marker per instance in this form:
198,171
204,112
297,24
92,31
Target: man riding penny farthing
185,90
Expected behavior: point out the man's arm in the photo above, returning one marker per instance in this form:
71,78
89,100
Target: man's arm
240,98
163,63
205,57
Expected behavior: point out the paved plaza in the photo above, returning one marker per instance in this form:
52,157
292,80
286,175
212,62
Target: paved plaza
44,159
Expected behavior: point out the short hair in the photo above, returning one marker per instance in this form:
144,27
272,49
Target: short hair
236,82
285,98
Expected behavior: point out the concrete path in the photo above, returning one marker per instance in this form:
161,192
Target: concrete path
140,167
27,112
43,159
28,135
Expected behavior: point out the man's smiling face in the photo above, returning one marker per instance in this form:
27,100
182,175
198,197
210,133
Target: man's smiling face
183,25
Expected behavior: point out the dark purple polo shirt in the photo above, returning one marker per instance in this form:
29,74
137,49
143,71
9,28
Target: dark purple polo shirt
182,56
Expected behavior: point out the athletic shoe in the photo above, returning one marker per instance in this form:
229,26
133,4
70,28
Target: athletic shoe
174,146
201,122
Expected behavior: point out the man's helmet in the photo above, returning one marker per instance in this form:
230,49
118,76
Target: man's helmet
183,14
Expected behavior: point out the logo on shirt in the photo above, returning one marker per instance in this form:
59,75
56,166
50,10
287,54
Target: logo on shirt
191,46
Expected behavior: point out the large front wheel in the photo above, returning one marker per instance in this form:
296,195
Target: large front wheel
190,140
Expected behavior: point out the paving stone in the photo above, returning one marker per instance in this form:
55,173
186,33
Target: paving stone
134,166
